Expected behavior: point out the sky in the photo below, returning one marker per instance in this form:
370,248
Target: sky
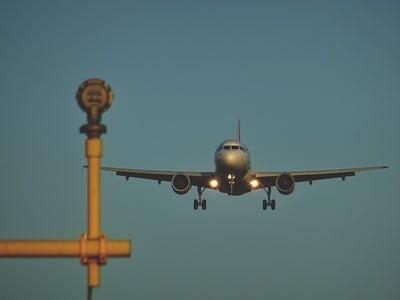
316,85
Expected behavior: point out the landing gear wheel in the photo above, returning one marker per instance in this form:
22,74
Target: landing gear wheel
204,204
264,206
273,204
195,204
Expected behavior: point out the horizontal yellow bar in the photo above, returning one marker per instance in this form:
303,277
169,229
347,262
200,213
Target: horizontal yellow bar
62,248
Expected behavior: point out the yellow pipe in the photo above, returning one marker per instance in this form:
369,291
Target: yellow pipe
39,248
64,248
93,273
119,248
93,154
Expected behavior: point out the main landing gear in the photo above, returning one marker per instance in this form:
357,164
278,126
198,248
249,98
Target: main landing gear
200,202
268,202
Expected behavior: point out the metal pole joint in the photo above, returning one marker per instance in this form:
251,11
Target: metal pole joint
93,249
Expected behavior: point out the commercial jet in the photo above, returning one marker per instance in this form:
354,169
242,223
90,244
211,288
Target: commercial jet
233,175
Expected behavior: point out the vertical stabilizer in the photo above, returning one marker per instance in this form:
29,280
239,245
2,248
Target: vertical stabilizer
238,130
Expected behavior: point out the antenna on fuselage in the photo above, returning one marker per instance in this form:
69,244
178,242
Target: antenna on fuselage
238,130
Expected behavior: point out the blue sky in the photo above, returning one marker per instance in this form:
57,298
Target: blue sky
315,84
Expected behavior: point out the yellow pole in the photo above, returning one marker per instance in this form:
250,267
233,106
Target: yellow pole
86,249
93,155
39,248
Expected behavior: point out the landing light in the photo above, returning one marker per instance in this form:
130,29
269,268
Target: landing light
213,183
254,183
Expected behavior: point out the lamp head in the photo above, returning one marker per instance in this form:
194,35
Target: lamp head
94,96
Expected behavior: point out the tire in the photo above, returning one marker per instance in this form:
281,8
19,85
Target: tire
264,204
195,204
204,204
273,204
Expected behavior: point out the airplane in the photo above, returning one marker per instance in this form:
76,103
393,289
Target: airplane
234,176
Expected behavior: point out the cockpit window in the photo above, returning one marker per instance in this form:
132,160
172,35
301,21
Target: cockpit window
235,147
227,147
219,148
242,148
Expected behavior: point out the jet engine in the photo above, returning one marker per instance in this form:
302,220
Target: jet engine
285,183
180,183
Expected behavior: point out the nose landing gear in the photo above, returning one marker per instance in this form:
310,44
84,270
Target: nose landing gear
268,202
200,202
231,181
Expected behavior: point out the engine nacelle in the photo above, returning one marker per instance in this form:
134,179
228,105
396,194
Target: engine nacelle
180,184
285,183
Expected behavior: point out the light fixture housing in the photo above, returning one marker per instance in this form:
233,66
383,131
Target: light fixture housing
254,183
213,183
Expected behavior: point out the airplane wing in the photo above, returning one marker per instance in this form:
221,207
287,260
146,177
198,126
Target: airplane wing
196,178
269,178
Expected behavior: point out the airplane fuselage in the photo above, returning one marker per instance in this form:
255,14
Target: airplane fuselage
232,166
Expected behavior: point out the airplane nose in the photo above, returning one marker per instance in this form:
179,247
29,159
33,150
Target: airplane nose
232,161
